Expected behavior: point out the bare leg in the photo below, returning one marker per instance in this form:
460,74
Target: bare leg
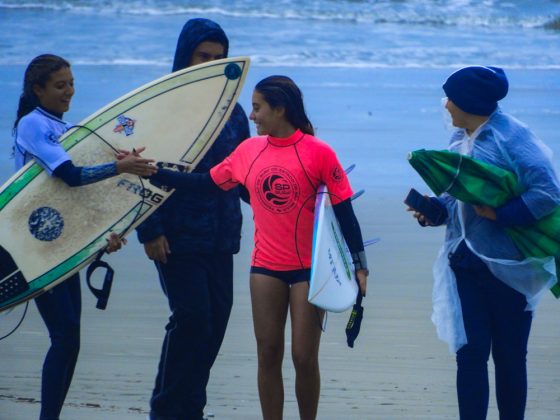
269,299
306,336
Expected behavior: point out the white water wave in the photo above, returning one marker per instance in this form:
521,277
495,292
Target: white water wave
290,63
522,14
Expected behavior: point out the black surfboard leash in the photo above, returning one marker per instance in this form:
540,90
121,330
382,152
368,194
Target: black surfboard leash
102,294
18,324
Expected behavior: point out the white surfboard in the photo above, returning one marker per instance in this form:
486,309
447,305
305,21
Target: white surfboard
48,230
332,286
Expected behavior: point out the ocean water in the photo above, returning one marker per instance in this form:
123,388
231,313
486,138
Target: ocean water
371,71
327,33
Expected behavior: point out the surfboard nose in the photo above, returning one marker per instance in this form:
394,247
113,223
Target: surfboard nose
12,280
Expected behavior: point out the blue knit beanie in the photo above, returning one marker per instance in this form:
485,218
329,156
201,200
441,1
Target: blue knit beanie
477,89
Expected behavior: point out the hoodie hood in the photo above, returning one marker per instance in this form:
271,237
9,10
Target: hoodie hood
194,32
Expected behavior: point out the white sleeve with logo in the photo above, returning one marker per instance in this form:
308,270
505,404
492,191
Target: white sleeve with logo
37,137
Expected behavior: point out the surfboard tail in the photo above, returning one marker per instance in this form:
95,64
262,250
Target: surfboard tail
12,280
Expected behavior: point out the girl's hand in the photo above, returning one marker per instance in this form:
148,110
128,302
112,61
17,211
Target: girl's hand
362,276
485,211
158,249
132,163
114,243
122,153
423,220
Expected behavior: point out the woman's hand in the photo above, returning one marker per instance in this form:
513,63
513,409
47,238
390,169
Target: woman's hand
423,220
157,249
122,153
362,275
114,243
485,211
132,163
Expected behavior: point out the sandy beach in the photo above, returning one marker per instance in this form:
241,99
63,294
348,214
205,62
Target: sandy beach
398,368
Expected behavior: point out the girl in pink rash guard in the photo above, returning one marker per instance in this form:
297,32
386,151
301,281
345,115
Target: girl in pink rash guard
282,168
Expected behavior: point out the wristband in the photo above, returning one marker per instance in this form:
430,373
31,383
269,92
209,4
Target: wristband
360,261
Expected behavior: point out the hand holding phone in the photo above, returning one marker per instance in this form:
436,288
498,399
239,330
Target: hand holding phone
424,206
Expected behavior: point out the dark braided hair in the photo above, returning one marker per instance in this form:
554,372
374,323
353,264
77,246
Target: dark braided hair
282,91
37,73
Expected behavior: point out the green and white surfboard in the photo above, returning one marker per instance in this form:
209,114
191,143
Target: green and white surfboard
48,230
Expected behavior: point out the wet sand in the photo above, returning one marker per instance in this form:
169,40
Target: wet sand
397,370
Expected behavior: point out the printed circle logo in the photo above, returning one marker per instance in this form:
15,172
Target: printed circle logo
277,189
337,174
232,71
52,137
46,224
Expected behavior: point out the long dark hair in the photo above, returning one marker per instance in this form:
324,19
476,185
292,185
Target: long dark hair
282,91
37,73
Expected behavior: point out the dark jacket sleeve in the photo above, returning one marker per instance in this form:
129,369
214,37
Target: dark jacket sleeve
203,222
151,228
514,213
183,182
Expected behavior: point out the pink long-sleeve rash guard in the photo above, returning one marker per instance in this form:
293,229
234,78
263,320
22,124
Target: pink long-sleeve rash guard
282,176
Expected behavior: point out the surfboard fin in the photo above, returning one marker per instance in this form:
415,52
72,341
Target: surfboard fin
102,294
358,194
12,280
350,168
371,241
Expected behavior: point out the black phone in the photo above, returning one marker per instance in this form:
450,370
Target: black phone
424,206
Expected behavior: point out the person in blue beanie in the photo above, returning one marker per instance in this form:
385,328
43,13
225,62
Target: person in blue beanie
485,291
192,239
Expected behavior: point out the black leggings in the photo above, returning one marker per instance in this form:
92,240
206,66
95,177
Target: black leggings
60,309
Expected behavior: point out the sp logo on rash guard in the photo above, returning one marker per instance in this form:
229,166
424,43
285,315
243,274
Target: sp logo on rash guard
277,189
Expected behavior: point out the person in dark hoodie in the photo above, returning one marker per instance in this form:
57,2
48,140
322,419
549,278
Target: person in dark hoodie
192,239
